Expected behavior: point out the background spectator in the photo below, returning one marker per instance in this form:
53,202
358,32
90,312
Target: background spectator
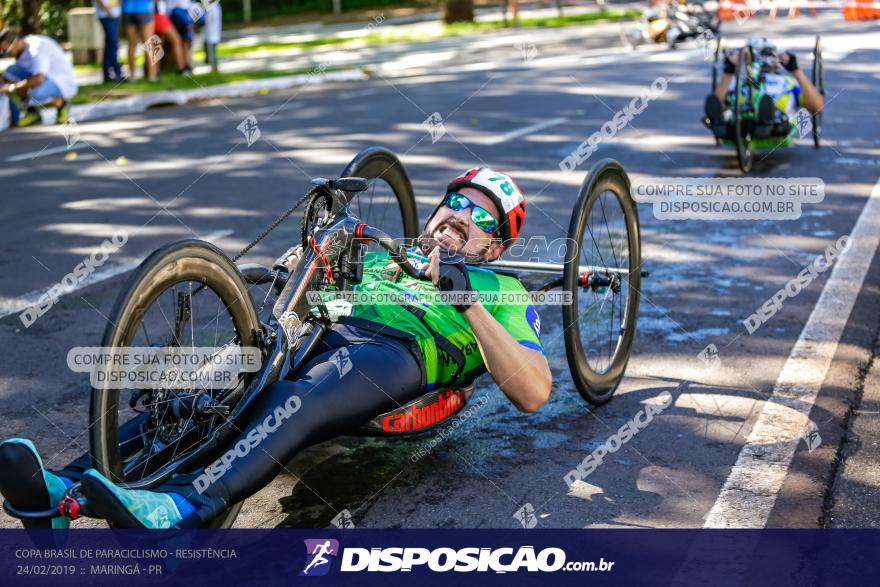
41,76
178,10
137,19
108,12
166,31
212,31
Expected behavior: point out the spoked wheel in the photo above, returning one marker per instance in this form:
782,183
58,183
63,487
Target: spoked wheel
388,203
186,294
717,63
603,275
743,109
818,79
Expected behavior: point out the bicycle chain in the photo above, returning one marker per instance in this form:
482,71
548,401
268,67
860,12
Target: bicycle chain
266,232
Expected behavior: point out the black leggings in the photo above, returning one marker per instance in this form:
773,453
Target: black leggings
355,376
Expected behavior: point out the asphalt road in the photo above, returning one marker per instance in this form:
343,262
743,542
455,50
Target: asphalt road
185,171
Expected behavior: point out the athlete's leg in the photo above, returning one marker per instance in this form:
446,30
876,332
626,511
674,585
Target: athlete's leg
357,376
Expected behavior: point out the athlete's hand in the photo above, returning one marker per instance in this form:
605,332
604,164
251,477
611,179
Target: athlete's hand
4,89
789,61
449,273
730,59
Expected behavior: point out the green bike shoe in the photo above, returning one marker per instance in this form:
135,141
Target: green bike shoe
133,508
28,485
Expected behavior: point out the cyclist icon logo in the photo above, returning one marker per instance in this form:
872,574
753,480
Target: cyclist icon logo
342,361
434,125
343,520
526,516
250,129
810,436
803,120
317,553
710,357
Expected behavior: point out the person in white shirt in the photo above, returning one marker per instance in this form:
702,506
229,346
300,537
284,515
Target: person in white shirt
41,75
108,12
212,32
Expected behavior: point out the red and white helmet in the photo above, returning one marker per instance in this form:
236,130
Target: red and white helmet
503,191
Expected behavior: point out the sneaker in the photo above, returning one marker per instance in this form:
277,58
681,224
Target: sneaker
766,110
715,116
30,118
133,508
27,485
766,116
63,113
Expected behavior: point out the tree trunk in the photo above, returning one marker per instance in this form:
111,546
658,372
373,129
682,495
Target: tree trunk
458,11
30,16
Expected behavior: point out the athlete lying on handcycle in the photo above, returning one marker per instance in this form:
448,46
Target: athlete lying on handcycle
392,357
784,93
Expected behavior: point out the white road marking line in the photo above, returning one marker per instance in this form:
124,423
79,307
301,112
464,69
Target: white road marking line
514,134
122,265
357,93
853,161
750,491
44,151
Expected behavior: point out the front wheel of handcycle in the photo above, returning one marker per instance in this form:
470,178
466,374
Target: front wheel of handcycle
388,203
186,294
743,109
818,79
602,273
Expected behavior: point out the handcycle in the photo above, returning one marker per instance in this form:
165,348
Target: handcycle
141,437
743,102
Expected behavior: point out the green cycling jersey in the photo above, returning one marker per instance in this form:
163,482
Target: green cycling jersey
385,290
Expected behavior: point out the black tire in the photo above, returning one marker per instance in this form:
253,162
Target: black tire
374,205
818,79
185,261
718,62
595,376
742,125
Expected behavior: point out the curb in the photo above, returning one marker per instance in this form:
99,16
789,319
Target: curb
142,102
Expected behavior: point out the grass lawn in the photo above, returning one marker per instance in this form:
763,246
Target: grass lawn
449,30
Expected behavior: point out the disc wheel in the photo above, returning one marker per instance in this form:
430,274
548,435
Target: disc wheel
743,109
818,79
388,203
602,273
186,294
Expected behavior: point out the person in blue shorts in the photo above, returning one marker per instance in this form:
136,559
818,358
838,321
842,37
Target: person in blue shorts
137,21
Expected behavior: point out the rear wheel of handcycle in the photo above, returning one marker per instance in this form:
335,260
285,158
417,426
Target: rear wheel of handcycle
186,294
743,109
599,325
389,203
818,79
